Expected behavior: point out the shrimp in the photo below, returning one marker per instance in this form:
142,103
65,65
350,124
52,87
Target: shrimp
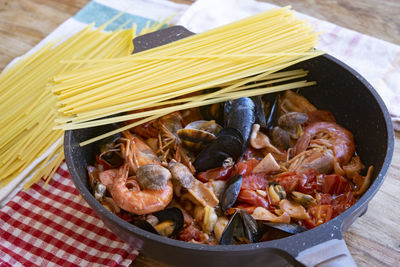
136,152
327,135
128,195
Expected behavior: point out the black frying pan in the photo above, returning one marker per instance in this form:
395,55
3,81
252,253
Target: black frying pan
341,90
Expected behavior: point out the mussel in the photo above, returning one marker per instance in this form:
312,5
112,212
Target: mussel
170,222
241,116
231,142
259,112
270,108
290,228
231,192
241,229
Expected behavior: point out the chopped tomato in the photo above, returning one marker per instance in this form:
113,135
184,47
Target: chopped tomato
307,182
324,199
220,173
242,206
257,181
319,214
253,198
332,184
342,203
289,181
245,167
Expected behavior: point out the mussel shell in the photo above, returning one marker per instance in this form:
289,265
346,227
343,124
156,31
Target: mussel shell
241,117
229,143
195,139
259,111
271,109
231,192
213,112
250,227
290,228
170,214
241,228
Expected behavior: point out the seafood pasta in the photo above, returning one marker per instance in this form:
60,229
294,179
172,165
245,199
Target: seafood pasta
246,170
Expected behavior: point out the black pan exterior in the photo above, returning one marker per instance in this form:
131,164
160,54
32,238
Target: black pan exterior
341,90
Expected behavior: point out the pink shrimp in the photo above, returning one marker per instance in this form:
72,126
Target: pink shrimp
328,135
136,152
128,195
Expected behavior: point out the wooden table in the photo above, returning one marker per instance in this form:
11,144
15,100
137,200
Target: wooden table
374,239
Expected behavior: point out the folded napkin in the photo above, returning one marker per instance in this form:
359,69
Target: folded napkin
53,226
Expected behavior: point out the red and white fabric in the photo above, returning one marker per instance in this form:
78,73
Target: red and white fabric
53,226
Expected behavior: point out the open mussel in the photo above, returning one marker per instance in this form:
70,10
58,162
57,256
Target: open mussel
168,222
241,229
229,144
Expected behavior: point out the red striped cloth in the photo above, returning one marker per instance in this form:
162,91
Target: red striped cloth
53,226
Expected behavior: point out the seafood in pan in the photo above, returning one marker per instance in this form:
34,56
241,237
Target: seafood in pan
247,170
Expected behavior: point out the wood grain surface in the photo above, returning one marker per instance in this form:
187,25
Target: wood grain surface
374,239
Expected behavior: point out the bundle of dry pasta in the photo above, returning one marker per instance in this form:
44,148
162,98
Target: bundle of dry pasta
29,146
229,57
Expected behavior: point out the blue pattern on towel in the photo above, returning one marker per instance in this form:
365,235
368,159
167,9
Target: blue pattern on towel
100,14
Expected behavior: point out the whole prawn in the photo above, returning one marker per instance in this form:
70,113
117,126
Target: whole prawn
136,152
128,195
328,135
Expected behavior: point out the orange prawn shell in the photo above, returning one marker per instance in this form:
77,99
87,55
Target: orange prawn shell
139,202
341,140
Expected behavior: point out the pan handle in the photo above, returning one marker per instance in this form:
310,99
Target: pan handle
332,253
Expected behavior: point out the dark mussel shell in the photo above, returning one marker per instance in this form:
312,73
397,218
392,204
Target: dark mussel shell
259,111
229,144
290,228
231,192
241,116
170,214
213,112
270,108
241,228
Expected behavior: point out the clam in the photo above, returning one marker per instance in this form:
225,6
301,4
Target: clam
153,176
291,119
181,173
280,138
198,134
